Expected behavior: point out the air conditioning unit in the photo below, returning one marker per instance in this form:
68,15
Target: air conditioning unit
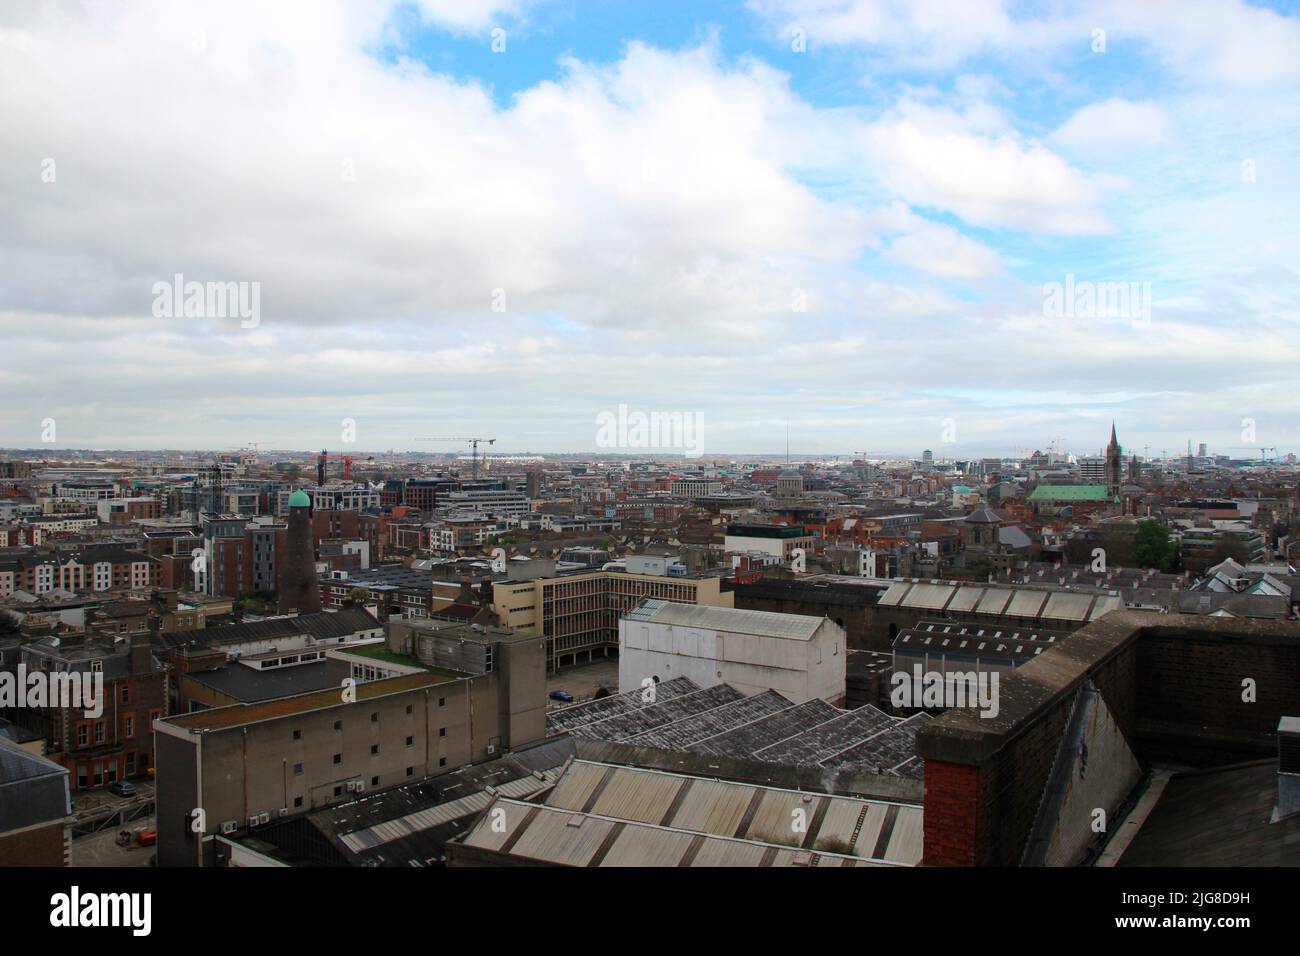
230,826
361,786
264,818
283,812
252,821
491,748
350,786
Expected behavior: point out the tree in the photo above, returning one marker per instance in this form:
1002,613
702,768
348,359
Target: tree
1153,548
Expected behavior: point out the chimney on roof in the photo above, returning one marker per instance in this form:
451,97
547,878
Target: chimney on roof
1288,767
466,594
141,648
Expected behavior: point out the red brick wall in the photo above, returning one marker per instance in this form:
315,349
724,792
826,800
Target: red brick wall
953,814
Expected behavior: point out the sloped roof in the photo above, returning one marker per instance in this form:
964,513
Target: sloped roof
800,627
32,789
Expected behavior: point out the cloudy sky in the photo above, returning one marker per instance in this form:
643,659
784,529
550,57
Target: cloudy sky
876,222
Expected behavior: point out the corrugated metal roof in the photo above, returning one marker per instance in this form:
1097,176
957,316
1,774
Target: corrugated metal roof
381,833
994,600
665,819
929,596
641,846
965,598
559,836
370,837
1026,603
567,838
577,785
895,594
1067,607
632,796
713,806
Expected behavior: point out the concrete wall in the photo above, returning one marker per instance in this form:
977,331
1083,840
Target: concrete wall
246,769
1171,685
800,670
1098,778
43,844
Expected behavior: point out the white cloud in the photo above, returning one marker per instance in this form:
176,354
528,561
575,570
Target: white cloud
648,219
1112,130
932,158
1203,41
470,15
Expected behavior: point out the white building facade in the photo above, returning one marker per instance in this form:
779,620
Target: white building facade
799,656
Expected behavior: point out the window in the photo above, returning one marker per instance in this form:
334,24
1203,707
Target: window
410,741
96,665
410,771
297,801
442,731
442,761
374,781
83,735
374,718
297,770
126,693
297,735
338,725
374,748
408,708
99,732
130,726
442,701
338,791
338,758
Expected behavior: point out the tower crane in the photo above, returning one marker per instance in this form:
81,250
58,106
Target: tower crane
473,443
347,460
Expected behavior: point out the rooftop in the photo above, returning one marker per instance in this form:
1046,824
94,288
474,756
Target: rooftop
236,715
600,814
796,627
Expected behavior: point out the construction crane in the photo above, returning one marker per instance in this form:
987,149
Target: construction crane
326,457
473,443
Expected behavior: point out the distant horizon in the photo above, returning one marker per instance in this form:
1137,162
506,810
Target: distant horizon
359,457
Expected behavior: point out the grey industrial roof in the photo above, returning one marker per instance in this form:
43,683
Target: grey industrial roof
248,684
1217,817
32,789
719,721
1044,601
744,740
629,724
409,825
680,734
322,625
606,815
567,718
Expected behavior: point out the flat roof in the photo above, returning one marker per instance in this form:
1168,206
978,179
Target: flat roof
222,718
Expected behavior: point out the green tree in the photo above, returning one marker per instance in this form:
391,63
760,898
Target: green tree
1153,548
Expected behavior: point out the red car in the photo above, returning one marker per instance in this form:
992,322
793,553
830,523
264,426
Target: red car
138,838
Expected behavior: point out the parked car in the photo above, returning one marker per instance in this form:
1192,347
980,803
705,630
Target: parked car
142,837
562,695
123,788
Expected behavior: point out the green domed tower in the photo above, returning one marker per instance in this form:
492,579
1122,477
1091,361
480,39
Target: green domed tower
299,589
